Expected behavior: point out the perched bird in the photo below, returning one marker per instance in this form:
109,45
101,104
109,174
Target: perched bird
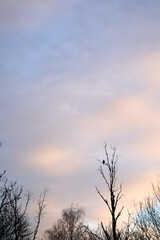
103,162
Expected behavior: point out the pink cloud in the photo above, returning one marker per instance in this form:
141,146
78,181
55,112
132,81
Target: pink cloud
54,160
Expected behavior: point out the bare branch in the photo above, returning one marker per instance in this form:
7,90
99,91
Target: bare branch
40,212
92,233
105,200
118,215
105,232
115,193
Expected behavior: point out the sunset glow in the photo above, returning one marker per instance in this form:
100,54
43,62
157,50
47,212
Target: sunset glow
76,74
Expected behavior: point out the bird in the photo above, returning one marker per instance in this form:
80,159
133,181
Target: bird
103,161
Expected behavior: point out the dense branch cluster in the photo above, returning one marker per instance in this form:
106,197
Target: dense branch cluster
14,220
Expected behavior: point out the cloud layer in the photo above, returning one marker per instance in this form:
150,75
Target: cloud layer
75,74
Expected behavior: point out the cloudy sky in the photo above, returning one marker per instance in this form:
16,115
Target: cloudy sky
76,74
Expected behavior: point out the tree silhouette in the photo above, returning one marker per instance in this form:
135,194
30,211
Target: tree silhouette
115,192
14,221
69,227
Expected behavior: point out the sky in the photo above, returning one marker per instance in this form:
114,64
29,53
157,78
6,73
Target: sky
74,75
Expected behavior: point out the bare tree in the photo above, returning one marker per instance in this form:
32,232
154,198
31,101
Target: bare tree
147,217
147,220
115,193
40,212
69,227
14,221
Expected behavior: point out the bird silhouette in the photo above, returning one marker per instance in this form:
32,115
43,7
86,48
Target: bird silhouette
103,162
